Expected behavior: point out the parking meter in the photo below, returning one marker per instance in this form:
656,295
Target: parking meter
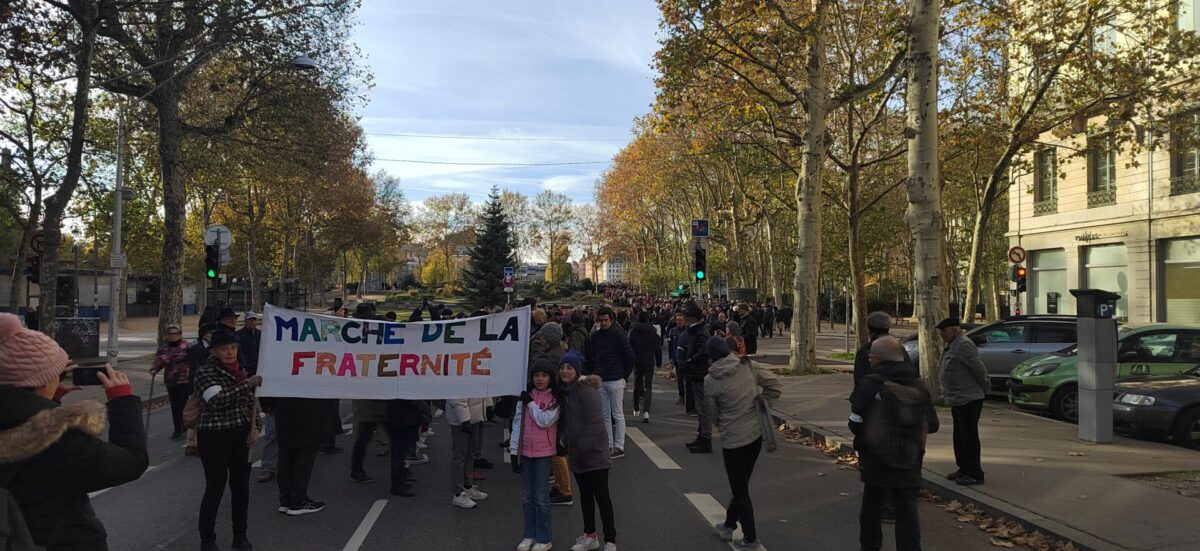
1097,353
1052,302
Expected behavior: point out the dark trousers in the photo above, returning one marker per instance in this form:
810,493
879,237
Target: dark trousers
739,465
401,440
225,458
643,388
293,471
593,491
178,394
703,423
908,525
966,438
363,431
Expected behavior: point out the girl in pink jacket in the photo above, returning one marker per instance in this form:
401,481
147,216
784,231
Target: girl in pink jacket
532,444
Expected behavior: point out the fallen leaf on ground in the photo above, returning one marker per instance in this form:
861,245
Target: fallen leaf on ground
1076,454
1001,543
843,494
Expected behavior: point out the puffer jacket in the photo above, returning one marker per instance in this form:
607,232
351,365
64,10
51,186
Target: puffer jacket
646,345
695,354
609,355
582,427
54,456
172,359
535,426
464,410
730,390
964,378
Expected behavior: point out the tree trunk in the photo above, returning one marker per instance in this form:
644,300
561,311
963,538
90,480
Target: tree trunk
773,264
808,202
993,298
857,284
170,147
206,216
978,236
85,14
924,214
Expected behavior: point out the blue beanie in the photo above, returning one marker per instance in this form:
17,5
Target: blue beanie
575,359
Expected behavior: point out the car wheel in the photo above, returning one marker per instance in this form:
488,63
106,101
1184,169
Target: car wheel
1065,404
1186,430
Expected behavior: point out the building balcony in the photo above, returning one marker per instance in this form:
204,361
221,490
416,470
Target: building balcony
1181,185
1044,207
1102,197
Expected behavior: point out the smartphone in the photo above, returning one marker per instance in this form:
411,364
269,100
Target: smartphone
85,376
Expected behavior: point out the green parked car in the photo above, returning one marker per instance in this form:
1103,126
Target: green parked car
1050,382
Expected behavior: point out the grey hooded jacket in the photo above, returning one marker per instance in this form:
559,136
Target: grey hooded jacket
732,385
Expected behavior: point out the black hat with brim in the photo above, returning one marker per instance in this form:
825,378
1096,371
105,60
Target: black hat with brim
222,338
949,322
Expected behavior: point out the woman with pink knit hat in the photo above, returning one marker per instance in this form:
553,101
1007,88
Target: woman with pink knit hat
51,456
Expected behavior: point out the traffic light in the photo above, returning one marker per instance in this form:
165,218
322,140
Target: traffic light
212,261
701,265
1020,273
34,272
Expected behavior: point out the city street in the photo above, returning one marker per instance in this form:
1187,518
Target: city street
661,495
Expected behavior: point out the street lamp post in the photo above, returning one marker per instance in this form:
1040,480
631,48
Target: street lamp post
116,260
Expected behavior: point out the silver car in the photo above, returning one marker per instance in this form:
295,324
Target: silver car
1004,344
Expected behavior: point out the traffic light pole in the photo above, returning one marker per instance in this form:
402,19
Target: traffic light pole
117,258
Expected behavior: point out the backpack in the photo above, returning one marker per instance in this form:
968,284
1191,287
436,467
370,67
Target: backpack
897,426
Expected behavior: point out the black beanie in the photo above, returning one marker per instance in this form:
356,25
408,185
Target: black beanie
718,347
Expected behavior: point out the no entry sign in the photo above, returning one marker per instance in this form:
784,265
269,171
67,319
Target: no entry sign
1016,255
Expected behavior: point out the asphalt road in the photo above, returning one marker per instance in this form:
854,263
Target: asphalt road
803,501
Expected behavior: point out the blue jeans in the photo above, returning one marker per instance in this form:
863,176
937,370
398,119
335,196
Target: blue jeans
612,397
535,477
270,447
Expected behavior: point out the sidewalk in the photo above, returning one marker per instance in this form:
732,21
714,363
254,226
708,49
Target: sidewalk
775,350
1038,472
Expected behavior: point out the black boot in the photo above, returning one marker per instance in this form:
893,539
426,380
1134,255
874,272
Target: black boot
703,445
209,546
241,543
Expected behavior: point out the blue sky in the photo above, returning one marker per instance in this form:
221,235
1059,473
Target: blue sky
511,69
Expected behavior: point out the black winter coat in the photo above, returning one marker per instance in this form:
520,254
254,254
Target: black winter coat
863,399
248,344
302,422
55,457
749,332
695,354
646,344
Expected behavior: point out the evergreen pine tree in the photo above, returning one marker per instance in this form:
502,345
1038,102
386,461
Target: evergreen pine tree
493,250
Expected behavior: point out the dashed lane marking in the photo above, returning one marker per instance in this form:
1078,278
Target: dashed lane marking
713,512
655,453
96,493
364,528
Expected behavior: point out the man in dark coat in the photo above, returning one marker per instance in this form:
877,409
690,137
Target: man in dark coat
647,356
749,328
249,339
695,368
301,424
891,415
404,419
878,325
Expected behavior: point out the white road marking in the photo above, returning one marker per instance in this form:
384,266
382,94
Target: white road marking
713,512
505,456
655,453
97,493
364,527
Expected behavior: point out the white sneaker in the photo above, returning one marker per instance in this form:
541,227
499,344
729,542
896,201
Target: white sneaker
427,433
636,412
421,446
585,543
474,493
542,546
525,545
610,547
463,500
645,416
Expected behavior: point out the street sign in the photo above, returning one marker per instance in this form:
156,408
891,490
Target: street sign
218,232
699,228
37,242
1016,255
509,283
508,271
224,258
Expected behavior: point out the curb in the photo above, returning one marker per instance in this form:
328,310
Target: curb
996,508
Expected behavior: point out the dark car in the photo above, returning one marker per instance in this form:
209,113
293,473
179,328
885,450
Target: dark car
1167,405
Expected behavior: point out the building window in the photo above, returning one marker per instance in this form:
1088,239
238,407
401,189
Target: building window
1107,267
1045,182
1180,269
1046,283
1185,154
1102,171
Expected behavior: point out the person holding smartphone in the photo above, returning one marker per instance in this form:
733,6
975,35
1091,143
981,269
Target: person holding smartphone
52,456
223,436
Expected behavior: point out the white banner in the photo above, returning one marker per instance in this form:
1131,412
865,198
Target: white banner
307,355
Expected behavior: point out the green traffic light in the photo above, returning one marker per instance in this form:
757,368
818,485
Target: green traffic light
212,273
700,275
